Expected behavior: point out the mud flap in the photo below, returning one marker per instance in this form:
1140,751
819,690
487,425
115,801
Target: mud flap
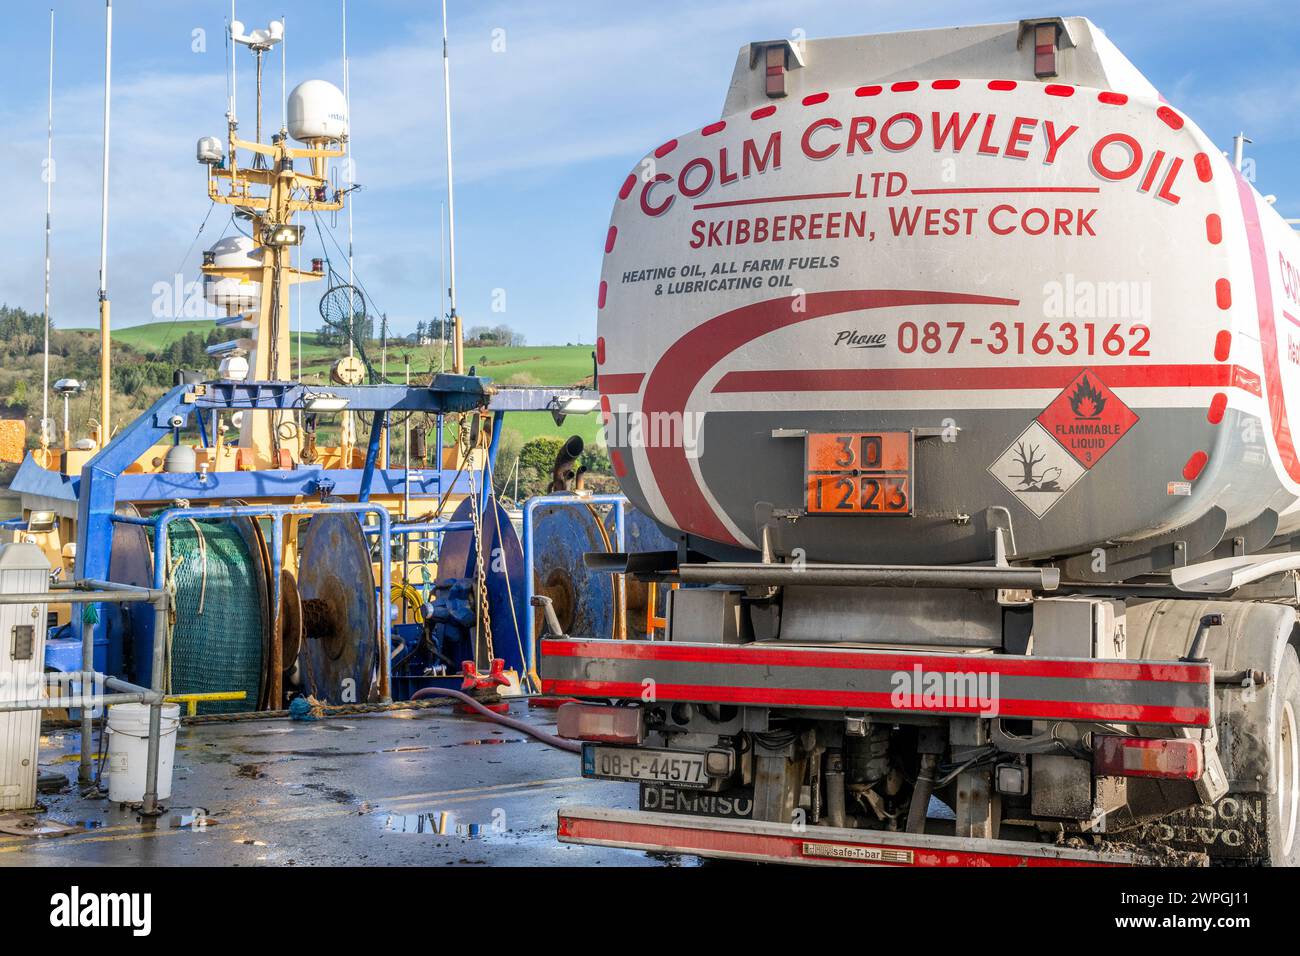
1233,828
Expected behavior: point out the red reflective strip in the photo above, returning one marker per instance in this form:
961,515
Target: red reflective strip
665,149
1204,171
882,701
1223,293
609,239
627,383
1172,672
1112,99
945,84
600,343
904,86
786,847
873,90
1002,86
1218,405
1214,228
812,99
1170,118
1056,89
601,293
1195,465
990,378
1223,345
712,128
762,112
628,185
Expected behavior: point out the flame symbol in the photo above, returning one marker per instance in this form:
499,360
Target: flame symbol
1086,401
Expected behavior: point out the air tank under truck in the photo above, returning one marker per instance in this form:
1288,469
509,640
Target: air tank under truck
963,369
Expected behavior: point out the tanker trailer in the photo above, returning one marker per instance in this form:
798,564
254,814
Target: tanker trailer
957,365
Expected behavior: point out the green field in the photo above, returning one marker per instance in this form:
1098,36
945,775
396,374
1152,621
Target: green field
521,365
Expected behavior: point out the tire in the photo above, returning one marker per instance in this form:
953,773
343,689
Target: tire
1282,809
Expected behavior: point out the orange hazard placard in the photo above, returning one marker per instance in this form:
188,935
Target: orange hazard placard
859,473
1087,418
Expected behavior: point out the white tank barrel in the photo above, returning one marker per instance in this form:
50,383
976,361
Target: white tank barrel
886,304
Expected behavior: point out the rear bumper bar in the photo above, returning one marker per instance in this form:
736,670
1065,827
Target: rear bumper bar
815,846
1169,693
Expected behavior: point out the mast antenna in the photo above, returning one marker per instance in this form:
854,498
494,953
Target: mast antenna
49,200
458,346
347,172
105,341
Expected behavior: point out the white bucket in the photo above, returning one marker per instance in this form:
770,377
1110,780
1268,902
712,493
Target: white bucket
128,750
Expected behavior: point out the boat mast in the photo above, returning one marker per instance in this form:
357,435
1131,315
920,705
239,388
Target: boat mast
458,346
105,344
347,170
49,200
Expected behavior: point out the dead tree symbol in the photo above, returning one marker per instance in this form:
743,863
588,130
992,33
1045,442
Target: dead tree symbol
1027,460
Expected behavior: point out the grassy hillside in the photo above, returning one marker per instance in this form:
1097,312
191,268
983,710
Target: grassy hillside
517,365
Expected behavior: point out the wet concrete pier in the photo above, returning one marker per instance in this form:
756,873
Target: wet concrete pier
401,788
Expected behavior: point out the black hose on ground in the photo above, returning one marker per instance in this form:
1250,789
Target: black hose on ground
559,743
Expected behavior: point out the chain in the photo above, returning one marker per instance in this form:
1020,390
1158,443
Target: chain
483,615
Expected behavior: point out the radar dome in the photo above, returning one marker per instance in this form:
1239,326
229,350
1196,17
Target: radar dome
317,112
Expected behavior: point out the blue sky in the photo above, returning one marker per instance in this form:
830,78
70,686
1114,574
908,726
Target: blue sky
545,131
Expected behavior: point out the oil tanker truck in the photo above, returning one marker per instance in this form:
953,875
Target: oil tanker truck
958,367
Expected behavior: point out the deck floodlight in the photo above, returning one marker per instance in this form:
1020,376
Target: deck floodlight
325,403
282,235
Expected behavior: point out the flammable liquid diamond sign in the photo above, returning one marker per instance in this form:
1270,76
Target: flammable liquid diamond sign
1087,418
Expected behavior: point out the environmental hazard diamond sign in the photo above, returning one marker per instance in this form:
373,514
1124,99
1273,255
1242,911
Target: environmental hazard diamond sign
1087,418
1036,469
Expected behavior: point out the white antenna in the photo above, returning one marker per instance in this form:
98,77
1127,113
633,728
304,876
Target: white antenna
284,72
442,289
458,357
105,340
49,199
232,28
347,99
1238,148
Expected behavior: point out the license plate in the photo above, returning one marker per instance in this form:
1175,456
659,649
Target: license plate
858,473
635,763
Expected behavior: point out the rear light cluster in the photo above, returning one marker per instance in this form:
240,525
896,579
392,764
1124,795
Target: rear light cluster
775,67
1045,50
1164,758
601,724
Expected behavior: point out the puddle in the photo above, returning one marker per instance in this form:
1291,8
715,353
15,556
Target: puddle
434,824
195,819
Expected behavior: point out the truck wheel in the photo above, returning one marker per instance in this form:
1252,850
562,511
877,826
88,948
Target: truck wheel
1283,807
